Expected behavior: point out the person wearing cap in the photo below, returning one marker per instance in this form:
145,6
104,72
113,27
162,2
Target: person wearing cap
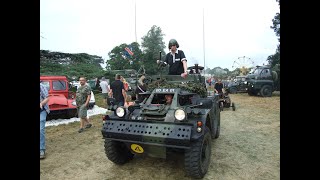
176,59
105,90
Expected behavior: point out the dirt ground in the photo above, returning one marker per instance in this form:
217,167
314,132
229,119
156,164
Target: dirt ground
248,148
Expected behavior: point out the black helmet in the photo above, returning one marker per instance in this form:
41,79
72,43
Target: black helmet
173,42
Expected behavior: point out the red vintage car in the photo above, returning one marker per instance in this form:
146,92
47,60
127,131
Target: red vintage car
61,101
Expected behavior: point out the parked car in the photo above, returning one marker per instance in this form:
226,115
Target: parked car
238,85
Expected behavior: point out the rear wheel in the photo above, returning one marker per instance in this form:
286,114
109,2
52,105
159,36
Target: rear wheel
117,152
218,128
233,90
197,158
221,106
266,91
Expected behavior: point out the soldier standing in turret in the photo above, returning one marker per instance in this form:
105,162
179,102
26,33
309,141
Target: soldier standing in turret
176,59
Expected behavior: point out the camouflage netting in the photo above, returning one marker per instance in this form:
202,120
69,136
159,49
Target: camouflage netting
187,86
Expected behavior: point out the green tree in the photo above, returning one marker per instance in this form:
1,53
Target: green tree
67,64
234,73
275,58
152,44
120,59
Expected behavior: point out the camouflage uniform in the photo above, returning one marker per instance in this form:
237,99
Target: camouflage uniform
81,96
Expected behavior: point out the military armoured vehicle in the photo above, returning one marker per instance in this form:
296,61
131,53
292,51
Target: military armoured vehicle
263,80
238,85
155,127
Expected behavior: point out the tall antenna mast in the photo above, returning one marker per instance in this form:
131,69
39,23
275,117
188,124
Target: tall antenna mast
135,19
204,57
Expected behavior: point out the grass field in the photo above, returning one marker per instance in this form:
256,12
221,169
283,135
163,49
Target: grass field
248,148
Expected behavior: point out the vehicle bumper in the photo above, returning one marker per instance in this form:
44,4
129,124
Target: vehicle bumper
61,111
150,133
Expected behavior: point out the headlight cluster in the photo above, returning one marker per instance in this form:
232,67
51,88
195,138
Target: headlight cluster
74,103
180,114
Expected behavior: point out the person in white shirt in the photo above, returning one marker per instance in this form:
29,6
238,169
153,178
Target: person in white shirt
105,89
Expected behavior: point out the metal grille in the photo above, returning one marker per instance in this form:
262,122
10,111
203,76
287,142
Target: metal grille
160,133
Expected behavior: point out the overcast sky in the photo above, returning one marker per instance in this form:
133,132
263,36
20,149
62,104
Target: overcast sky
232,28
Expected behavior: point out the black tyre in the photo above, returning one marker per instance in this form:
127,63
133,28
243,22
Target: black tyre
72,113
221,106
197,158
117,152
218,128
233,106
252,93
266,91
233,90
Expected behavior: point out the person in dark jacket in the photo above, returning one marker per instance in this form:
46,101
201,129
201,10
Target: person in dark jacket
218,86
117,91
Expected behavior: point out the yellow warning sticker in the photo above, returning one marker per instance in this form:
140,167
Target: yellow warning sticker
136,148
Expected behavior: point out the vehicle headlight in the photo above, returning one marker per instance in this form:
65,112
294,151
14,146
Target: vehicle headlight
74,103
120,111
179,114
245,82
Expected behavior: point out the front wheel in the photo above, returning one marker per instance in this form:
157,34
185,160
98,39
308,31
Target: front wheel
117,152
233,106
252,93
72,113
197,158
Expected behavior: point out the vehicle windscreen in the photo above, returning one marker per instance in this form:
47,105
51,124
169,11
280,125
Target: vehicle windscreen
59,85
257,71
159,99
